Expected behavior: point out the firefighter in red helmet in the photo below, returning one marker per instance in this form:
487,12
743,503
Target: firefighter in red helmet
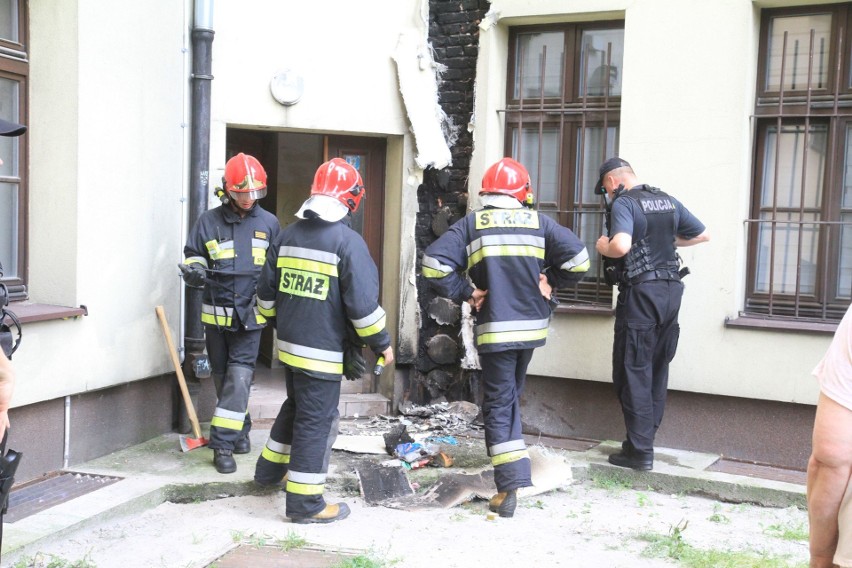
224,254
322,287
514,258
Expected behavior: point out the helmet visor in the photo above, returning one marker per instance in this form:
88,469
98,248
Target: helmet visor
258,193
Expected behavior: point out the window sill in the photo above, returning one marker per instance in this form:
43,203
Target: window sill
587,309
28,312
744,321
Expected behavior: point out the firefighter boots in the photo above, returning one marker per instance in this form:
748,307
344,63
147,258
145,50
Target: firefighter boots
242,445
504,503
223,461
330,514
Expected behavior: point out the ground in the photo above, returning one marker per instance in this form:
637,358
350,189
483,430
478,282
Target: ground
597,521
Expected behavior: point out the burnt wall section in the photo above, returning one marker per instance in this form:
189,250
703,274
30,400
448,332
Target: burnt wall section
442,199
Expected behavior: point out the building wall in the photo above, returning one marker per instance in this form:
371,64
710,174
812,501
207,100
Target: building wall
349,60
685,127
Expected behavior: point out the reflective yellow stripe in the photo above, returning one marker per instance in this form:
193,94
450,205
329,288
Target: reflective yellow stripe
190,260
432,273
511,336
505,250
307,265
372,329
275,457
216,320
227,423
509,457
304,488
311,364
266,307
584,267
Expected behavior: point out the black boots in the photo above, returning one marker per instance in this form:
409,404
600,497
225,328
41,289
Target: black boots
628,457
243,445
504,503
223,461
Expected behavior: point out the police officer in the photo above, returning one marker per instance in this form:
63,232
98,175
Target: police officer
513,256
646,226
322,287
225,252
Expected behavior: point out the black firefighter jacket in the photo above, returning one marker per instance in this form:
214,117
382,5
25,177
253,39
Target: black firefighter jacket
235,249
318,282
504,251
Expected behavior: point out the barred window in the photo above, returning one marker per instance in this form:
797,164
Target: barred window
14,70
800,226
562,121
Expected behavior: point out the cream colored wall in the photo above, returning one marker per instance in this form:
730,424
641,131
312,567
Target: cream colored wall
344,52
107,165
685,127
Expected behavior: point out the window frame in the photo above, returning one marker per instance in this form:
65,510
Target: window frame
570,114
14,65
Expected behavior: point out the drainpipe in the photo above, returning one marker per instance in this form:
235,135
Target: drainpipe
195,364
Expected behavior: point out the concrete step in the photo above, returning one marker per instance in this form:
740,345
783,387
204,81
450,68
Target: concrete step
363,404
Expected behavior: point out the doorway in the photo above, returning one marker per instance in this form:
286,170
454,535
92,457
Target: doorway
290,160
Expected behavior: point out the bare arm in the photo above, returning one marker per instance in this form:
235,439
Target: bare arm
616,247
7,387
682,242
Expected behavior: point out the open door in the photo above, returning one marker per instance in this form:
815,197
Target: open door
367,155
290,160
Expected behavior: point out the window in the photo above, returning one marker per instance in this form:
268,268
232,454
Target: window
14,69
800,226
562,116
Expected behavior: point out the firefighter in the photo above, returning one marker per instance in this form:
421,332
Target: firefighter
224,253
514,257
646,226
322,287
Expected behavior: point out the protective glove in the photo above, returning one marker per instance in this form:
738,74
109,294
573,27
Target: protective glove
354,364
193,274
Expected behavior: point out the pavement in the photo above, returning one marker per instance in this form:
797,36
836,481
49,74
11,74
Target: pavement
157,472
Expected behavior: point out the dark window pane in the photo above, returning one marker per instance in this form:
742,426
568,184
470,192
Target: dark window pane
540,159
601,62
795,58
9,20
798,149
9,229
537,51
780,253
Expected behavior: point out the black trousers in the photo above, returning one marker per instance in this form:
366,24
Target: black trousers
503,377
646,336
233,355
300,442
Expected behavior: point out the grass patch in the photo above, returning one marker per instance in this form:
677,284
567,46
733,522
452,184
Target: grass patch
612,483
41,560
673,546
794,531
368,560
292,541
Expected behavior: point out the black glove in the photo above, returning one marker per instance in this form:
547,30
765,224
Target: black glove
193,274
354,364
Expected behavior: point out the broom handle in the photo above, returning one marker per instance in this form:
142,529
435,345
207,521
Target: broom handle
190,410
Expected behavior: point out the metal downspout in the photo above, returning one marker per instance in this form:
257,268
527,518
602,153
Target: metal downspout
199,157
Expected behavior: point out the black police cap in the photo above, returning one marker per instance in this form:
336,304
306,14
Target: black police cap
606,167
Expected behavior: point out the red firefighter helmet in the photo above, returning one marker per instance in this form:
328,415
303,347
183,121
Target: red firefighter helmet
508,177
244,174
338,179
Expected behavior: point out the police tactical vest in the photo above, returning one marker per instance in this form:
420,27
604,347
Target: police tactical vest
655,250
